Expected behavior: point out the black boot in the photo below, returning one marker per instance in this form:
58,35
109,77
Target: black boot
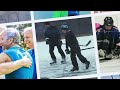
87,64
54,61
63,61
74,69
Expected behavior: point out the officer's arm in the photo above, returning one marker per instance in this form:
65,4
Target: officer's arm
66,44
45,34
117,37
58,34
100,35
73,38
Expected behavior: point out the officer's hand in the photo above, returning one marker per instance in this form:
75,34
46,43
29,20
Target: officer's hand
106,41
118,44
26,62
47,40
60,42
67,51
98,30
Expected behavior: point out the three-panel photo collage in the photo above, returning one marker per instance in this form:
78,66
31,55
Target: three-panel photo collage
59,44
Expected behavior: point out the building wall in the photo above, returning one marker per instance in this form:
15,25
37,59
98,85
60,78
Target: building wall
14,16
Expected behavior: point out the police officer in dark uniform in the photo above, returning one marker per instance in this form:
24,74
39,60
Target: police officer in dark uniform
53,38
108,37
72,42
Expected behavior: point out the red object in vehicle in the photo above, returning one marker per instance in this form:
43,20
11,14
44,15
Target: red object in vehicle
97,25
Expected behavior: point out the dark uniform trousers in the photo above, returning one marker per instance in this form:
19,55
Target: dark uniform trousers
51,51
74,52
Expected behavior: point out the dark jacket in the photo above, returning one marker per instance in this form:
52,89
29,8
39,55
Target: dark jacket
53,34
71,40
112,35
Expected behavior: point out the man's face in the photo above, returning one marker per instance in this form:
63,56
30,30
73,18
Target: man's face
64,31
28,38
108,27
4,41
47,25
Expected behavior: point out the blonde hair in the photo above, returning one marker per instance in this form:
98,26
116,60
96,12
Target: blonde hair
27,29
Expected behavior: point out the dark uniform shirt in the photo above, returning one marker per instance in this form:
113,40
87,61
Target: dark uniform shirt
71,40
53,34
111,35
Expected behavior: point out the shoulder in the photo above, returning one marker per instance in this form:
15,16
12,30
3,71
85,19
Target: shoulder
30,50
115,28
69,33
